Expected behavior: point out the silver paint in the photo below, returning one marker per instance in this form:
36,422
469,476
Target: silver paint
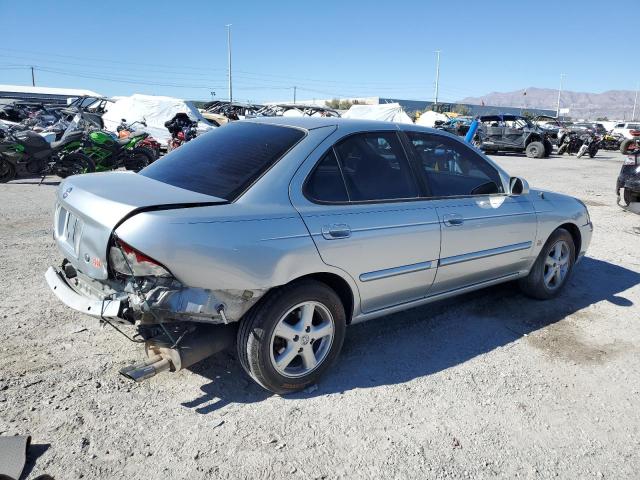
392,255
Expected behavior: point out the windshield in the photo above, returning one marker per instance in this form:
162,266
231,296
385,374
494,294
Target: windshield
226,161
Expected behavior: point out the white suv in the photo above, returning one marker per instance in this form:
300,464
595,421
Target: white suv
627,130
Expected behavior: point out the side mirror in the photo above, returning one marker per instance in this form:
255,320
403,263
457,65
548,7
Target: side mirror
518,186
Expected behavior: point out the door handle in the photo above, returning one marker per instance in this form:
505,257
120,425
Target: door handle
336,231
452,220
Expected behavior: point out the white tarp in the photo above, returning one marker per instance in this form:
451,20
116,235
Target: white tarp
429,118
154,110
386,112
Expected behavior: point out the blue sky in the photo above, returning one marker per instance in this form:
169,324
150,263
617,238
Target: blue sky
325,48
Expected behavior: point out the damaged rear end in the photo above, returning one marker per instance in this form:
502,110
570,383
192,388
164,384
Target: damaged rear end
104,276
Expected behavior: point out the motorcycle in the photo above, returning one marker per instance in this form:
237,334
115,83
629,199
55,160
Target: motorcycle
611,141
570,142
110,153
182,130
590,145
125,130
28,153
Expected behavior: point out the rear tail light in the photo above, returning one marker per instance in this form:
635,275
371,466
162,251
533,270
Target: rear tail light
635,133
126,260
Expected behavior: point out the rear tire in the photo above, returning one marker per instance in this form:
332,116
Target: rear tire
140,158
628,144
535,150
277,344
552,268
74,164
7,170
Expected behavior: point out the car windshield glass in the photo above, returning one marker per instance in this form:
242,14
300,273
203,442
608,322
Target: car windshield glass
225,161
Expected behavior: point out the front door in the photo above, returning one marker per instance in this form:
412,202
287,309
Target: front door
362,206
486,234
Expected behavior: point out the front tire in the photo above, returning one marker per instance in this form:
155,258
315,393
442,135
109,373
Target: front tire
535,150
7,170
552,268
292,336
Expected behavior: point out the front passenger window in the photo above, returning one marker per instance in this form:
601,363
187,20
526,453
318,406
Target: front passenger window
452,168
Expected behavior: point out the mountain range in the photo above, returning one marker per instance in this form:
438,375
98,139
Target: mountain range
613,104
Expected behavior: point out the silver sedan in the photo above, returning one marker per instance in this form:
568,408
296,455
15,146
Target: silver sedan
275,234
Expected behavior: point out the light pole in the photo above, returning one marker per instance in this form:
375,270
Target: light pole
562,75
635,101
229,60
435,100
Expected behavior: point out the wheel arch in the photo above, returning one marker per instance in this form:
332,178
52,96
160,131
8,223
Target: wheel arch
573,229
533,137
338,285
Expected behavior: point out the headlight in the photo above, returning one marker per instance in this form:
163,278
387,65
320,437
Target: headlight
586,211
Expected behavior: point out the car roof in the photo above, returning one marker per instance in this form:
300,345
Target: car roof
310,123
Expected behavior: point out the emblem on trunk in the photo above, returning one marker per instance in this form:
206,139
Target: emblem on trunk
67,192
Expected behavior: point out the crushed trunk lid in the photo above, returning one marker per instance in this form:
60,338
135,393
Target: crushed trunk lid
89,207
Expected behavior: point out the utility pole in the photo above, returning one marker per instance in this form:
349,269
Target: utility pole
562,75
294,94
435,102
635,101
229,60
33,81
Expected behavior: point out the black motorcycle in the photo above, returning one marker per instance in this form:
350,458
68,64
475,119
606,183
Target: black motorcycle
571,142
628,184
182,130
27,153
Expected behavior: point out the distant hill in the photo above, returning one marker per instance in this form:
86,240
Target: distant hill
614,104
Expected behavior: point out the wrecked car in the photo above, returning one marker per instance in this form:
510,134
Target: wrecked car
274,234
512,133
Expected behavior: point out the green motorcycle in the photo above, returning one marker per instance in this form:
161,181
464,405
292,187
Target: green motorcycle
110,153
27,153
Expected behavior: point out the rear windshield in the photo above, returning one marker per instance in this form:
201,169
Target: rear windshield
225,161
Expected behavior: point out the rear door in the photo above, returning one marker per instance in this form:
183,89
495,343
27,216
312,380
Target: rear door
362,205
486,234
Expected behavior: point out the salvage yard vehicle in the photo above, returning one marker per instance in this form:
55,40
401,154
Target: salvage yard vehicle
512,133
628,183
23,152
277,233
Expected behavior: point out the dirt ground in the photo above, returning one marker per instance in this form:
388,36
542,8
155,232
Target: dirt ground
489,385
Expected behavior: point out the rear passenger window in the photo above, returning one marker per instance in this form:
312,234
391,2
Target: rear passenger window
374,167
452,169
326,183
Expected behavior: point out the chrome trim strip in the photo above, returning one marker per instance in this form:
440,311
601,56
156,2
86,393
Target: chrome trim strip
484,253
364,316
392,272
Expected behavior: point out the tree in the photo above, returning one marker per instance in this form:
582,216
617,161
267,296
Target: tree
462,109
602,119
338,104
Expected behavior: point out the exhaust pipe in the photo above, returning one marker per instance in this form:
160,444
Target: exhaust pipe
202,342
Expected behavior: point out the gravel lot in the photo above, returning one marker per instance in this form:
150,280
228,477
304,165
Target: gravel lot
489,385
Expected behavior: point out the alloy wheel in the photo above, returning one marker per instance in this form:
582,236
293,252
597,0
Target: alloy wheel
556,265
302,339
